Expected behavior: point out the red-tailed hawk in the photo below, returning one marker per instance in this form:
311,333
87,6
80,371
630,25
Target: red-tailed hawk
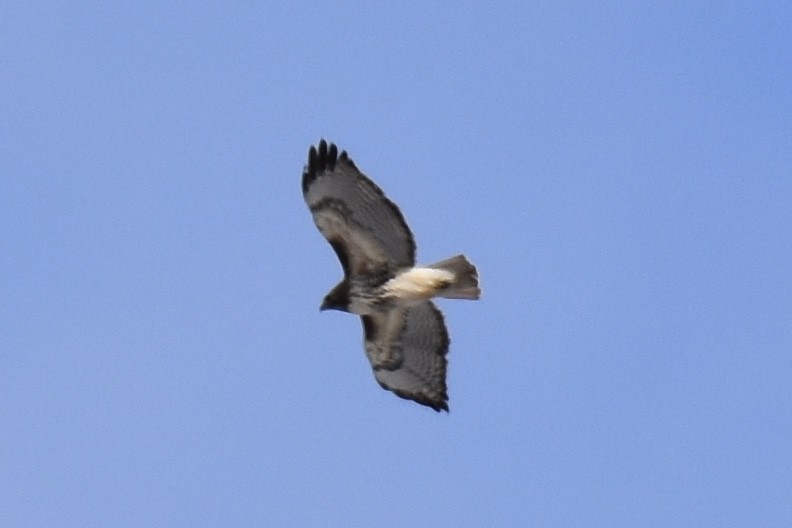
405,336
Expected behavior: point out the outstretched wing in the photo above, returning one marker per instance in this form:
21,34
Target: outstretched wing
407,349
366,230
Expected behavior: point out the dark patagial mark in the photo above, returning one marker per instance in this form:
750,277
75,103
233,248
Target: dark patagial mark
343,255
369,328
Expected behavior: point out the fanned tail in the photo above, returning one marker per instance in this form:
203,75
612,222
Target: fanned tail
465,284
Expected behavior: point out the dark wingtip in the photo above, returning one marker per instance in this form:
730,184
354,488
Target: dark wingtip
436,404
332,153
344,158
321,158
441,406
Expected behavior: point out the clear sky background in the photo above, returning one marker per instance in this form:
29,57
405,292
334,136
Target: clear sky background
620,173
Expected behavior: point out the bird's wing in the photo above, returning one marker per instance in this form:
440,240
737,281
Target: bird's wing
366,229
407,348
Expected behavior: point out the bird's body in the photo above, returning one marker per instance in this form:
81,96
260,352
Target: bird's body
406,340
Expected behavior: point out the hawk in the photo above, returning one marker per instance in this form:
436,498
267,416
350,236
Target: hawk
405,336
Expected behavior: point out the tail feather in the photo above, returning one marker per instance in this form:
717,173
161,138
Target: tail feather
465,284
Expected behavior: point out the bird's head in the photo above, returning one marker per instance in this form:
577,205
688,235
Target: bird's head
337,299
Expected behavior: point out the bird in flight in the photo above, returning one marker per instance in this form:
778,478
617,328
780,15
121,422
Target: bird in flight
405,336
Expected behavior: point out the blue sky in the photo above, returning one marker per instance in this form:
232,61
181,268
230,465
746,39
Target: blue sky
621,174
